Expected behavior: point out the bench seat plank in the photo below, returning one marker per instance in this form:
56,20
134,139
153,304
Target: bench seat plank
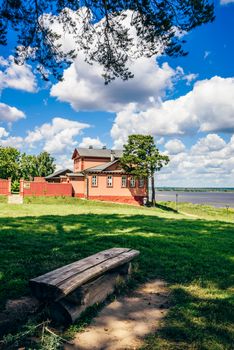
60,282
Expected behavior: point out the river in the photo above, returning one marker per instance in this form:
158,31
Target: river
217,199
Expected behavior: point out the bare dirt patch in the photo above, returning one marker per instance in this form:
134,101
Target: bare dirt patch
123,324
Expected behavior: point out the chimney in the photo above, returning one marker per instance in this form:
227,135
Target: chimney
112,155
90,147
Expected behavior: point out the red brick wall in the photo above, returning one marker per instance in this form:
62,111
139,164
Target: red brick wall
30,188
5,187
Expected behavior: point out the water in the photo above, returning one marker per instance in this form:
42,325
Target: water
217,199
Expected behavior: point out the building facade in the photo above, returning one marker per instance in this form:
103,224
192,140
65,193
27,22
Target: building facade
98,175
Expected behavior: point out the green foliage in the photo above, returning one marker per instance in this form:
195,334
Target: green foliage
28,166
9,163
141,158
192,254
155,23
17,166
45,164
15,186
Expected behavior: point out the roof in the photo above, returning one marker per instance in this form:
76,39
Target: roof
76,174
94,152
58,173
101,167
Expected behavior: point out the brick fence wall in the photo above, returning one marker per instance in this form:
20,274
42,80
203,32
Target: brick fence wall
5,187
31,188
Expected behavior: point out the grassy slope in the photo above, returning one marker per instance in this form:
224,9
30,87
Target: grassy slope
195,257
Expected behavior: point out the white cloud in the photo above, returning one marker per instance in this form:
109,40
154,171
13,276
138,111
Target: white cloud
210,162
3,132
209,107
225,2
16,77
10,114
83,86
174,146
206,54
190,77
56,137
88,141
212,142
12,141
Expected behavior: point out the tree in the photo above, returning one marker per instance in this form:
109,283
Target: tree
9,163
141,158
45,164
28,166
17,166
102,34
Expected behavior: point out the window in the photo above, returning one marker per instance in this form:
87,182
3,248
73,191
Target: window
124,181
94,181
109,181
141,182
132,182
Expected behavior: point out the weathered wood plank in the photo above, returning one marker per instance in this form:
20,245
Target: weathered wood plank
55,276
77,280
57,284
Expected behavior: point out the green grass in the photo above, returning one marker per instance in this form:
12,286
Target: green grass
192,252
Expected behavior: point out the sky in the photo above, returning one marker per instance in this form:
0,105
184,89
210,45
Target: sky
186,103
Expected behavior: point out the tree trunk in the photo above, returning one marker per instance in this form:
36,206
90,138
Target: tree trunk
153,190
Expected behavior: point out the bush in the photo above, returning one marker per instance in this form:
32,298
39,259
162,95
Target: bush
15,186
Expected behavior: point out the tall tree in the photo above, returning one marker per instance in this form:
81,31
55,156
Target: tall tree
104,30
9,163
142,158
45,164
28,166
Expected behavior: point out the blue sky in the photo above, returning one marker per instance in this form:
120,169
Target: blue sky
186,103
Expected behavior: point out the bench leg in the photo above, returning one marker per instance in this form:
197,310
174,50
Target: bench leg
68,309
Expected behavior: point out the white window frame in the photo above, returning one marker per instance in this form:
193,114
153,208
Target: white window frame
141,182
109,181
132,182
125,182
94,183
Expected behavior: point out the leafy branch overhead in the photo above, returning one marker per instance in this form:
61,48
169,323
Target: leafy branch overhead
109,32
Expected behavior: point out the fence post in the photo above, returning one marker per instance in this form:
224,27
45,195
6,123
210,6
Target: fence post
22,187
9,186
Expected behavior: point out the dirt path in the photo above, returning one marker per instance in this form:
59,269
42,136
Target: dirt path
124,323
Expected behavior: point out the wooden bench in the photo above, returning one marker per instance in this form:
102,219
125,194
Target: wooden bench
69,290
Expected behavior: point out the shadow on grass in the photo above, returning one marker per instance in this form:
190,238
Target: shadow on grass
166,208
182,252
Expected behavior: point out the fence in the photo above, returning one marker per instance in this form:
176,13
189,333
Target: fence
31,188
5,187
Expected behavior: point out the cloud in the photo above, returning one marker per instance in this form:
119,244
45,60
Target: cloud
225,2
16,77
83,86
208,107
56,137
3,132
206,54
210,162
190,77
212,142
88,141
12,141
174,146
10,114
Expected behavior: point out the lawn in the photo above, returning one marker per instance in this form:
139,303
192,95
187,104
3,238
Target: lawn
192,251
